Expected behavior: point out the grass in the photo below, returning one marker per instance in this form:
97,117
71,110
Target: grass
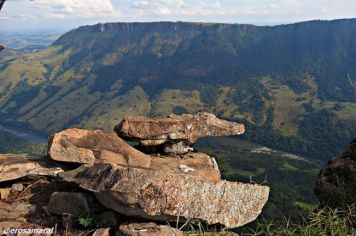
200,228
108,113
325,221
171,98
304,205
288,167
286,108
320,222
224,105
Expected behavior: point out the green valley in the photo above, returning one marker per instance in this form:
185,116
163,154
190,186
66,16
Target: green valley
291,85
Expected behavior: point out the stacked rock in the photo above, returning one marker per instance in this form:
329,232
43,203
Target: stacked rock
175,134
172,183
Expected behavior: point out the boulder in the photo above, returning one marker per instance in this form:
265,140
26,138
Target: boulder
107,219
90,146
75,204
148,229
336,182
175,133
102,232
15,166
164,195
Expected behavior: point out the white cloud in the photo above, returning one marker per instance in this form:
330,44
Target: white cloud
178,8
78,8
60,8
274,6
18,13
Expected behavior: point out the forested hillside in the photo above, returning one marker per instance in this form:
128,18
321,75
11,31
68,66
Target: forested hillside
293,86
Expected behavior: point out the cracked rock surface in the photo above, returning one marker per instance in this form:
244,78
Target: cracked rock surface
161,195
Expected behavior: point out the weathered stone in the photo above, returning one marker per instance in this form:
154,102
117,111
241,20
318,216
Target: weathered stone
15,166
102,232
16,211
17,187
336,182
90,146
84,146
178,148
75,204
5,193
148,229
107,219
175,133
197,164
163,195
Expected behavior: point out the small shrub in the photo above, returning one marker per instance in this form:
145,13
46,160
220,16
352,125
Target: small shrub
86,222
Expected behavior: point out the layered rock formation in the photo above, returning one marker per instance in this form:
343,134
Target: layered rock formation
15,166
162,195
175,133
95,146
87,147
154,186
336,182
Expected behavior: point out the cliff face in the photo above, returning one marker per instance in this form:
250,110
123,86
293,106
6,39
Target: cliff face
336,183
288,82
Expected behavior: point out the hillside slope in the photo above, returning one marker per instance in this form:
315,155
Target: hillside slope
292,85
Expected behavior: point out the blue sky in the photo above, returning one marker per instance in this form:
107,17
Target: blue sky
21,15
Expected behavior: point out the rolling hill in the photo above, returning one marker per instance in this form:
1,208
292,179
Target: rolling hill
292,85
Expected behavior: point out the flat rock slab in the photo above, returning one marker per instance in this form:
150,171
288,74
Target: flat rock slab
154,132
193,163
163,195
15,166
90,146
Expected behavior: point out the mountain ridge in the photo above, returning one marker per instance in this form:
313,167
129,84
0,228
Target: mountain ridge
279,80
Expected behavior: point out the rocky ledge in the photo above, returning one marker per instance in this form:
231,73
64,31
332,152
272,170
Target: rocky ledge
96,174
175,134
336,182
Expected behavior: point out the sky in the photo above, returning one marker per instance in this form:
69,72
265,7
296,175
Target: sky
62,15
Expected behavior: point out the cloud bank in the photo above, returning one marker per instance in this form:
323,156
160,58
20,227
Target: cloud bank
60,13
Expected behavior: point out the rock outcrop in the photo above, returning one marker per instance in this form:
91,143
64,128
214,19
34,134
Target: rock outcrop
15,166
175,133
162,195
97,174
336,182
90,146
